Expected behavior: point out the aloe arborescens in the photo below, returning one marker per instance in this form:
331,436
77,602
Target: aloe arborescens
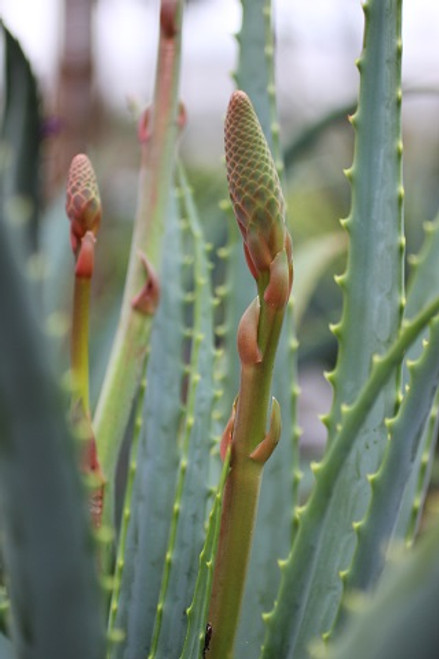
200,550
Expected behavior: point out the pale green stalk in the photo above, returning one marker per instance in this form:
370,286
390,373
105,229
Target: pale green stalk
241,496
159,133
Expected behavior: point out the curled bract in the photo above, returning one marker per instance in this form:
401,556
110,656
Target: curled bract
247,336
265,448
146,301
85,256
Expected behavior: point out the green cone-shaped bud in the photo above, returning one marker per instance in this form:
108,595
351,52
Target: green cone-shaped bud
83,203
254,185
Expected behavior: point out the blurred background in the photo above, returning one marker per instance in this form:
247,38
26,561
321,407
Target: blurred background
95,62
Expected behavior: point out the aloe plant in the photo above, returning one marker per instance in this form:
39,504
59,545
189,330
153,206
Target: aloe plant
208,549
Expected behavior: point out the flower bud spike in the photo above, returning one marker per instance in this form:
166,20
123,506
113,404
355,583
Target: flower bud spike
83,203
259,209
254,184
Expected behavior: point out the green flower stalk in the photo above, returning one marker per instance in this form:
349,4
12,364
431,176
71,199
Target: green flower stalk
259,207
83,208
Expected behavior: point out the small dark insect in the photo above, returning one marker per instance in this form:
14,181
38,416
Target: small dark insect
207,637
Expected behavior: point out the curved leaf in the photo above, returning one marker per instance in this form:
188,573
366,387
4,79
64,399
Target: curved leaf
155,462
304,586
401,614
405,434
187,531
49,554
21,137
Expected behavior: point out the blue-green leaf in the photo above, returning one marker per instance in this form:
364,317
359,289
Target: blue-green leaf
49,553
423,286
155,464
400,619
372,288
186,536
311,260
21,136
197,637
289,629
405,434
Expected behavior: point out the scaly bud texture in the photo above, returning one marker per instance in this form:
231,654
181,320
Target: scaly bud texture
83,203
254,187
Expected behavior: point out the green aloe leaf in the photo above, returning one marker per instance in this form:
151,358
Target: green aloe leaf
405,435
236,300
21,136
255,71
311,260
372,284
155,463
49,554
187,532
197,637
310,134
422,287
401,613
372,288
55,252
288,628
6,649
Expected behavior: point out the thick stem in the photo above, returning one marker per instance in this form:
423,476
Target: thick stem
242,489
237,524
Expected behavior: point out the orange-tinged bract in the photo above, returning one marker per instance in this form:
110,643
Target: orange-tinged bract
83,203
254,185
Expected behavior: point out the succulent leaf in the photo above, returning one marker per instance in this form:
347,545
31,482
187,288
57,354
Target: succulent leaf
20,193
376,530
422,287
47,543
187,526
401,612
156,460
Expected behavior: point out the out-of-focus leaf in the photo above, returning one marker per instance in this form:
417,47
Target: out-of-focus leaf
20,147
49,554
